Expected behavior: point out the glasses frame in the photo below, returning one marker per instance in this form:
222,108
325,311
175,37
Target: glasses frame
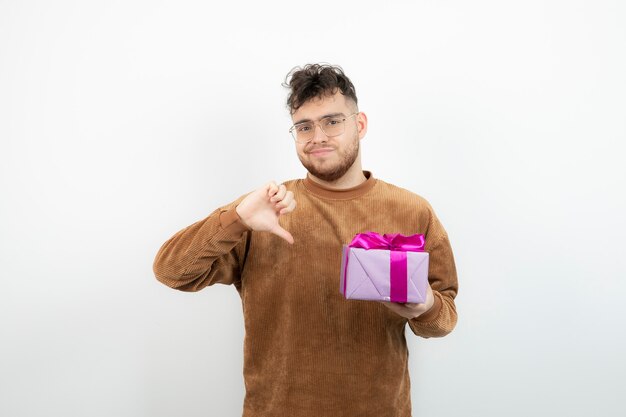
318,123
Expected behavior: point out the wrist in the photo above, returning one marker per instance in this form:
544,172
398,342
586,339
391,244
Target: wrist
240,217
433,311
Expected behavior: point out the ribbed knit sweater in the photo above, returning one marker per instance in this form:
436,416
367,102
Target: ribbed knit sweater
309,352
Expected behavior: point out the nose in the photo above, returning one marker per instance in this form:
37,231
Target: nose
318,134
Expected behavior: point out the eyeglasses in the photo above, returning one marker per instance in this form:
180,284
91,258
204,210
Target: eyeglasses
331,126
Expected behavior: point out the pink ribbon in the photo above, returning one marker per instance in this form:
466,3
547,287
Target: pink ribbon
398,245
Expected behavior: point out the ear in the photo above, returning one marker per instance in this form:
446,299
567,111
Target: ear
361,124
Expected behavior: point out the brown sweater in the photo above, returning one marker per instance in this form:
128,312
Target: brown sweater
307,350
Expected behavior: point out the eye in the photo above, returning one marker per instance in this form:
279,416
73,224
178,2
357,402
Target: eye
332,122
303,128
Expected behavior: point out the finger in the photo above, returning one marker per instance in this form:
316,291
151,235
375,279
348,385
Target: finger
396,307
285,201
279,231
272,188
393,306
275,196
280,194
291,207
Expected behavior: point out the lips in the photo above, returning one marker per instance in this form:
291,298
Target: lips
321,151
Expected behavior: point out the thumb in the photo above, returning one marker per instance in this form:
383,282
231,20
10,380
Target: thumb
279,231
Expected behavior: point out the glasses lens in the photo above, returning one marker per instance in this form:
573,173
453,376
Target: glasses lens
303,132
333,126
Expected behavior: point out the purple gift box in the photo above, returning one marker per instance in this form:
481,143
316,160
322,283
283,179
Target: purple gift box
391,267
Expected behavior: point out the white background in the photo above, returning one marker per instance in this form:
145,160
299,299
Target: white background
121,122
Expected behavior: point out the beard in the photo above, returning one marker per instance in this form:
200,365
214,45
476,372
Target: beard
327,172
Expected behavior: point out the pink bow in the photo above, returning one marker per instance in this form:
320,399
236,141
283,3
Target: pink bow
393,241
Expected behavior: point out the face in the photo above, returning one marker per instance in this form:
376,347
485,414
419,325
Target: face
330,158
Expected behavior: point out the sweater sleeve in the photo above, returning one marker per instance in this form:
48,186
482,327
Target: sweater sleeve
442,277
209,251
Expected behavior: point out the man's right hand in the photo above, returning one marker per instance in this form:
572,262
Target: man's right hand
261,209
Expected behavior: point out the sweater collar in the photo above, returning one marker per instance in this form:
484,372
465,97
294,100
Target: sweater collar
340,194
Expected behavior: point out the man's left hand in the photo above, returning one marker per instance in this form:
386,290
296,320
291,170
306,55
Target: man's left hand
412,310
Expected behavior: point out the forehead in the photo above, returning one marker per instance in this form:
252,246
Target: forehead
320,107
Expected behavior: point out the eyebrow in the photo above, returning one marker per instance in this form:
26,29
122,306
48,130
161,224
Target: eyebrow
323,117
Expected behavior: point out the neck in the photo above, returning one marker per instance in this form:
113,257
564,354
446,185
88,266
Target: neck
350,179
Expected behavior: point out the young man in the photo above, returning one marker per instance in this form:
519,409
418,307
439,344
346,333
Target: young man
307,350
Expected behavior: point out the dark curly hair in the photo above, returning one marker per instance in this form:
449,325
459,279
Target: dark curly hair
316,81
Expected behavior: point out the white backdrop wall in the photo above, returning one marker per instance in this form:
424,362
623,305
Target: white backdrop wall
122,122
